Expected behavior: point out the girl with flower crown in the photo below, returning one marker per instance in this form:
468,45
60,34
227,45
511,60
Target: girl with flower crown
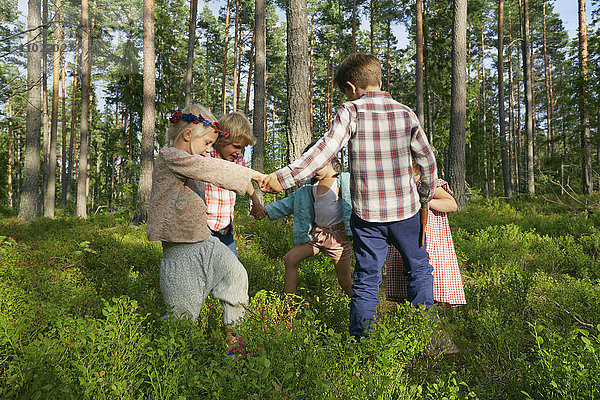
194,262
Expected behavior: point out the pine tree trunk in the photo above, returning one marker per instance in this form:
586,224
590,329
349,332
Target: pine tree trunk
190,55
583,98
484,114
372,25
528,98
429,106
45,119
10,154
258,150
82,193
506,170
51,182
549,111
63,158
419,106
91,103
513,154
456,148
388,55
260,88
72,134
234,93
353,26
148,117
207,68
250,74
19,173
311,68
28,207
224,76
298,76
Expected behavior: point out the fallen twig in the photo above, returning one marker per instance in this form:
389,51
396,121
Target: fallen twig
580,322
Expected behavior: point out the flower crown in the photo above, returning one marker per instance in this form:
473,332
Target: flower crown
189,117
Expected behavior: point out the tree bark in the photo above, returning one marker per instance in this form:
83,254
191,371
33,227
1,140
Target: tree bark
86,70
45,119
260,72
236,46
260,87
224,77
10,154
586,162
148,114
456,148
311,69
506,170
51,181
28,207
388,56
190,55
372,25
72,133
63,158
549,107
250,74
528,98
207,68
298,118
484,115
420,109
353,26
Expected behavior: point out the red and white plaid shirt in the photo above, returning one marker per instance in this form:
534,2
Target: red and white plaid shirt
382,135
220,203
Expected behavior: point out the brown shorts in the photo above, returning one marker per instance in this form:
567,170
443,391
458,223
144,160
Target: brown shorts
332,241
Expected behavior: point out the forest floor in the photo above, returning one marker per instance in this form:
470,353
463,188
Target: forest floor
81,316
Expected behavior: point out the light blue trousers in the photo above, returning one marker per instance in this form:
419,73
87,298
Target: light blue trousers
190,271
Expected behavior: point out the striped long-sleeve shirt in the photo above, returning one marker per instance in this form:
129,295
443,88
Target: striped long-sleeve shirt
382,136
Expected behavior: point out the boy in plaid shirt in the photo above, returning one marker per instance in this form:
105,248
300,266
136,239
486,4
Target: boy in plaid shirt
382,136
221,202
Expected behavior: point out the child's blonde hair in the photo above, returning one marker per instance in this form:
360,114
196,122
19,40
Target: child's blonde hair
176,128
239,129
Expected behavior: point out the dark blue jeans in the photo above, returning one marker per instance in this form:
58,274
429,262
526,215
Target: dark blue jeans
227,239
370,242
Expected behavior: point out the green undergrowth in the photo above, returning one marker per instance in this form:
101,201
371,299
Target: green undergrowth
81,316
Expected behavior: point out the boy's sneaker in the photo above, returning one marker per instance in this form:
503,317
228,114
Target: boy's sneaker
440,343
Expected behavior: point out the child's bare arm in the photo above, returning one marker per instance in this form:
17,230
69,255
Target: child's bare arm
258,210
442,201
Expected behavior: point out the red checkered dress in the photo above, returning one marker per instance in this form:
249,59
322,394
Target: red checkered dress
447,282
220,203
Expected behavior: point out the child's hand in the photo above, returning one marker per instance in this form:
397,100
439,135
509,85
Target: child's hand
259,178
271,184
258,211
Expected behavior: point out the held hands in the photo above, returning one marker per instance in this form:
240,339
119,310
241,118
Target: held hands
270,184
259,178
258,211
